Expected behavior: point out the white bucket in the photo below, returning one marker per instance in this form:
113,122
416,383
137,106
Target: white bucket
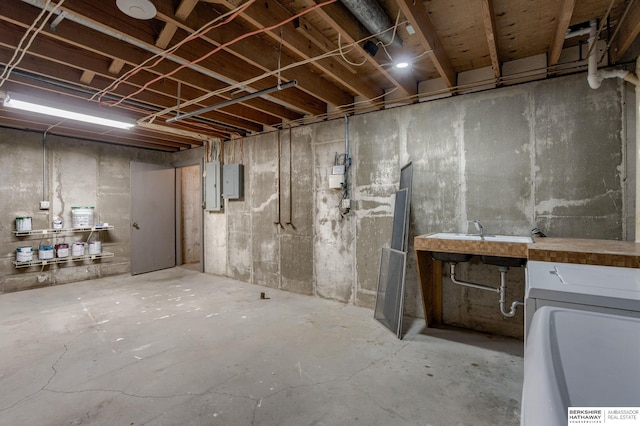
45,252
95,247
82,217
24,254
57,223
23,223
62,250
77,249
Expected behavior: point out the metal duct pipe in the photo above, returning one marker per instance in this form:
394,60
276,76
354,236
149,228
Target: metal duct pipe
375,19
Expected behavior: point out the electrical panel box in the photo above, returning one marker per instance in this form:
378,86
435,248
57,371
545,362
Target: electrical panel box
233,181
213,184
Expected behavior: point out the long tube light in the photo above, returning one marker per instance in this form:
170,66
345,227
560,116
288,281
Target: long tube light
63,113
223,104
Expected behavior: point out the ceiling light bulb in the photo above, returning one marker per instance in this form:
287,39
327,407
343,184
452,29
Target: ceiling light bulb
402,64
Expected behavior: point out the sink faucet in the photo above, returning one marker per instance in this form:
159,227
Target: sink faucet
479,228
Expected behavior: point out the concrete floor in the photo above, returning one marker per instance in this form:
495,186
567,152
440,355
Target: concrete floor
177,347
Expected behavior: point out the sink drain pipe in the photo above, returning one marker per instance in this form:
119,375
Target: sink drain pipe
502,290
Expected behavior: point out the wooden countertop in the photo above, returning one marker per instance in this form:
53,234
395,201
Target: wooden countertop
588,252
488,248
563,250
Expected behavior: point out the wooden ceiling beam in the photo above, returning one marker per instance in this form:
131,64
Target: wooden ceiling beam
166,35
316,37
416,14
67,61
223,65
87,76
183,11
562,25
260,54
488,16
627,33
144,34
264,56
185,8
336,16
270,13
116,66
105,45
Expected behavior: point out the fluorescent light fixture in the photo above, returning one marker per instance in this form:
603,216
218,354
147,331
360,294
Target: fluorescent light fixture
232,101
63,113
402,65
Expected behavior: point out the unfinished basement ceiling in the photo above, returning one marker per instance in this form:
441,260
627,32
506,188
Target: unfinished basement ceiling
194,54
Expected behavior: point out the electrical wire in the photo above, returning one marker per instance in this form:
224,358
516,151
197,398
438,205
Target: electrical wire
215,23
9,68
615,33
344,58
393,36
603,22
245,83
229,43
24,37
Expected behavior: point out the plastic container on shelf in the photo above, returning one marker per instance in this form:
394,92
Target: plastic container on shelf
23,223
82,217
57,223
62,250
95,247
24,254
45,252
77,249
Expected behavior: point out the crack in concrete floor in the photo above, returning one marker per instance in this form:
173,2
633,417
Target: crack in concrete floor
297,359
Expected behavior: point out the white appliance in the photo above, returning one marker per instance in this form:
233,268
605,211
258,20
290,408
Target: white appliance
582,324
606,289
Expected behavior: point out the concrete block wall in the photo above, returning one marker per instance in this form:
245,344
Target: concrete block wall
78,173
551,154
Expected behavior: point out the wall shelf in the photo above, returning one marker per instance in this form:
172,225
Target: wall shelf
55,260
55,233
60,231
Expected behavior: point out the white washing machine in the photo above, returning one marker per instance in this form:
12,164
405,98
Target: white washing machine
582,328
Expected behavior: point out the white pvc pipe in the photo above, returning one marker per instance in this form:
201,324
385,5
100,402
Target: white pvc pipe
595,77
592,77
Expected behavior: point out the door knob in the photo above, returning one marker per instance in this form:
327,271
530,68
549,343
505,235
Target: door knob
135,225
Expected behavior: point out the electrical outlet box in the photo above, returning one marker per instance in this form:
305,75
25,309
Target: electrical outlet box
345,203
336,181
338,170
44,205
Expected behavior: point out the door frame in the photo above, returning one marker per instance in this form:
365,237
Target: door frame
177,166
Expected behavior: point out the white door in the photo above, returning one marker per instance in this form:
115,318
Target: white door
153,225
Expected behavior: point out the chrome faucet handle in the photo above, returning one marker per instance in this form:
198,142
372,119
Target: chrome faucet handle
479,227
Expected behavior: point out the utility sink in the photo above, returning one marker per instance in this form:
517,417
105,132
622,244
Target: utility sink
509,262
451,257
488,238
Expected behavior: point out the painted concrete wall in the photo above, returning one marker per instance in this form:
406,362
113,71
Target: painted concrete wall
191,209
78,173
551,154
